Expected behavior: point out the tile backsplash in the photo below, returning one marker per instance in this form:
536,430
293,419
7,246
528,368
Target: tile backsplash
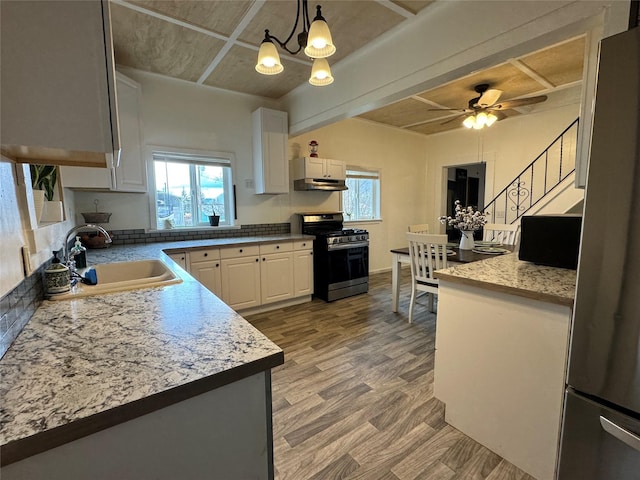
18,306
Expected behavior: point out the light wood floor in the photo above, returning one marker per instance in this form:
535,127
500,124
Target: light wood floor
354,398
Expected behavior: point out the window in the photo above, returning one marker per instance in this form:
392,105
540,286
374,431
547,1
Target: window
362,200
190,187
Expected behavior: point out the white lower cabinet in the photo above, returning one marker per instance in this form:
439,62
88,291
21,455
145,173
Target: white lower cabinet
303,268
276,272
205,266
250,276
180,258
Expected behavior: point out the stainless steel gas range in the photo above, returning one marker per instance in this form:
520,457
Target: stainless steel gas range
341,256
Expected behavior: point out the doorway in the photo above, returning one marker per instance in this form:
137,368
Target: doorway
467,184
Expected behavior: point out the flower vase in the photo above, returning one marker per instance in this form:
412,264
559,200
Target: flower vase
466,240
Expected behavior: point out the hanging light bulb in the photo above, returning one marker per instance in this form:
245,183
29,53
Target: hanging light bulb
481,119
268,58
491,119
469,122
320,73
319,42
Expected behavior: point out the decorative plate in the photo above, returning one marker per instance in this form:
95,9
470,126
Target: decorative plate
487,243
490,250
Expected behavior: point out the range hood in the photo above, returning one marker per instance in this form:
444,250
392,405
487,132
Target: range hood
322,184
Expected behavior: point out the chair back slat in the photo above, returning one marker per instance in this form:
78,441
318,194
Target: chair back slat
427,253
505,234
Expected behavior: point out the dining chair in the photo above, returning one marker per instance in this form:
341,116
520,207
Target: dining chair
507,234
427,253
419,228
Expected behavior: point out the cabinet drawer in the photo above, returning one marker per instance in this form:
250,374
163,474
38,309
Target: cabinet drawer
276,247
303,245
204,255
244,251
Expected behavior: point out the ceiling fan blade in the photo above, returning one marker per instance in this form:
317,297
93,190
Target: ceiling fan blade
518,103
489,97
461,110
457,117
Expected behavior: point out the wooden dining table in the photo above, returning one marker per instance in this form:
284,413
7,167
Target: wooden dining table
401,255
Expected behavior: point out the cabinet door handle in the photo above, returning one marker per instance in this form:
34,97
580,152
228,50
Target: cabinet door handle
217,265
206,254
277,247
304,244
240,250
257,259
264,259
310,253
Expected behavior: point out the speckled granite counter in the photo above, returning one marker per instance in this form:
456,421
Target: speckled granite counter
507,274
83,365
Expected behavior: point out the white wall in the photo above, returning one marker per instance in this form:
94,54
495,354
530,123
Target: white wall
11,235
508,147
400,157
184,115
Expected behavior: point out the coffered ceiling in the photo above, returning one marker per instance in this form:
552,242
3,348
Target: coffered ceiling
215,43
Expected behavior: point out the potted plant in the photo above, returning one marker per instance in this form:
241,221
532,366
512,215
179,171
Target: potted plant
213,211
43,179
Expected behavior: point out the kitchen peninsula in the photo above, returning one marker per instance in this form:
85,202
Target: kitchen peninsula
151,383
501,354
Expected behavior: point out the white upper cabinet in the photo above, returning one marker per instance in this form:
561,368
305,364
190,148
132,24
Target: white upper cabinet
270,161
131,174
319,168
58,86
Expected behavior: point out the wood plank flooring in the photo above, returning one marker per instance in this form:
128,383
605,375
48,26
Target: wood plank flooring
354,398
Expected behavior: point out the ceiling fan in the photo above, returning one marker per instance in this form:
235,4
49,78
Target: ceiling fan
484,110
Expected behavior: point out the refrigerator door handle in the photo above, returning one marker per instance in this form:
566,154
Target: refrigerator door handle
620,433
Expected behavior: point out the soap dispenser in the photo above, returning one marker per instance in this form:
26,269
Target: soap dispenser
57,277
79,254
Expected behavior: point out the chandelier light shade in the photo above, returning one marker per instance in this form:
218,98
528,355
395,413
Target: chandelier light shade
268,59
319,42
480,120
320,73
314,39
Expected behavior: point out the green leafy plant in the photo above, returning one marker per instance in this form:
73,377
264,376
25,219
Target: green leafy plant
44,177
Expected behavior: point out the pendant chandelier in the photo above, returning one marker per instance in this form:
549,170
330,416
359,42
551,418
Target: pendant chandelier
480,120
314,39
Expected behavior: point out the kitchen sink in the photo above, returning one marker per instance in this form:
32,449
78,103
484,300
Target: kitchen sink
121,276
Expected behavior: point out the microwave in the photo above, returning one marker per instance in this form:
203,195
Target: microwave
551,240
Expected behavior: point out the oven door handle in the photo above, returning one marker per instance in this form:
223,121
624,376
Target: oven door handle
345,246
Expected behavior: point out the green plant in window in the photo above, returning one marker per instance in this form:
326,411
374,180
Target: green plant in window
44,177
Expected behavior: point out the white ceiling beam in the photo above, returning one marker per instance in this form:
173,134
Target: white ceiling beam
532,73
396,8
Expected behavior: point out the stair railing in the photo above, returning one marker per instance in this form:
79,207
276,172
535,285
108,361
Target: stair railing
540,177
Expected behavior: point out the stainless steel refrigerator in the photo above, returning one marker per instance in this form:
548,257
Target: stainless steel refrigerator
601,427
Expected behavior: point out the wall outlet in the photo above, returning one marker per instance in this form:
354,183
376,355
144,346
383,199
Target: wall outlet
248,183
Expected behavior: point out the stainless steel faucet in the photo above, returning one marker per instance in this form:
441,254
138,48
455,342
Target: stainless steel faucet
81,228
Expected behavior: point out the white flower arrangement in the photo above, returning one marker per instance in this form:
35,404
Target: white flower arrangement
466,218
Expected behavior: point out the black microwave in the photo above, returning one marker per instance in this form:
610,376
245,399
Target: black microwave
551,240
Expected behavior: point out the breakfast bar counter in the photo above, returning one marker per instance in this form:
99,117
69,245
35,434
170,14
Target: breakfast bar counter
89,364
502,337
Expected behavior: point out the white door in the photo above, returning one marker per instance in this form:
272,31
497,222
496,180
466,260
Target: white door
241,282
276,277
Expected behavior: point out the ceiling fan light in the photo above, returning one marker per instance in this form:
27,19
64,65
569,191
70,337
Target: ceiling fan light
268,59
481,119
469,122
320,73
491,119
319,42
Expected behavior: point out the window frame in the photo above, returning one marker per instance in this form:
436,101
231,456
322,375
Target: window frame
192,157
354,171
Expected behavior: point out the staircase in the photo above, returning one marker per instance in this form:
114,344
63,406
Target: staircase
544,186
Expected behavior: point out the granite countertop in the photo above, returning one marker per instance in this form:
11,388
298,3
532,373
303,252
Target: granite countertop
508,274
86,364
